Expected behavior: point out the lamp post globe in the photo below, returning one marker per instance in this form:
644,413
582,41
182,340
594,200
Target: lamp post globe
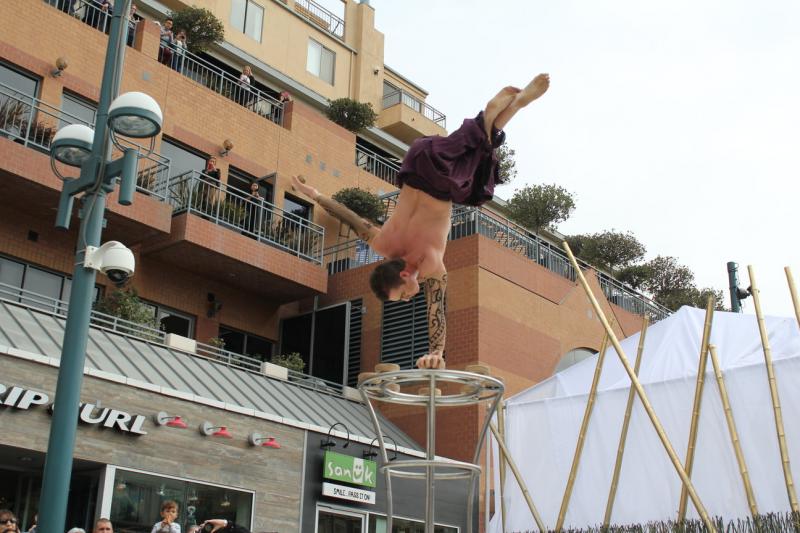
136,115
72,145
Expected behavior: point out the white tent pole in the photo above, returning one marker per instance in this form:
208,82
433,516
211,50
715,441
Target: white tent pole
773,389
737,445
587,415
676,462
612,494
698,401
793,292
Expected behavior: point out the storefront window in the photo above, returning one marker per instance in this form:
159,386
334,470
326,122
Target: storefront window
137,498
339,522
377,524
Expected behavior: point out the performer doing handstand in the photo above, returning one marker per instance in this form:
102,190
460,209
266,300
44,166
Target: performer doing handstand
436,172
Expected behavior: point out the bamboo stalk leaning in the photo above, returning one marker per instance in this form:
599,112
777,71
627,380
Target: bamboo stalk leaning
697,404
773,390
521,482
793,292
587,415
737,445
676,462
612,493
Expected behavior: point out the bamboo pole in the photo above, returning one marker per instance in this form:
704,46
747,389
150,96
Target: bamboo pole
676,462
521,482
501,421
773,390
698,402
793,292
737,446
612,493
587,415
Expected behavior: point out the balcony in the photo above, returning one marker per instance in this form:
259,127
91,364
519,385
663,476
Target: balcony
222,233
407,117
319,16
377,165
92,14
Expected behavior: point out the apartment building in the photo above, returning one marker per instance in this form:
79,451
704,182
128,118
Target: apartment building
233,279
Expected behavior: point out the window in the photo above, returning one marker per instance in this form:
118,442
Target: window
172,321
321,61
294,206
246,343
354,343
240,180
17,83
404,331
17,91
247,17
46,290
78,108
182,159
377,524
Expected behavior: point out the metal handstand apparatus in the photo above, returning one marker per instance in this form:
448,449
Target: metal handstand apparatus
459,388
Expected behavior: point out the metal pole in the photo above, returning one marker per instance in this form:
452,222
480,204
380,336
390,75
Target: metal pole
662,435
612,493
737,446
698,401
431,455
773,390
587,416
733,285
63,427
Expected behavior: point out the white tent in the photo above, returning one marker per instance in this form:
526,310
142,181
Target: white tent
543,422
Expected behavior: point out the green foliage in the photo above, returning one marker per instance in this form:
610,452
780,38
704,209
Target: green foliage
125,304
541,206
232,212
672,285
609,250
202,27
351,114
217,342
506,164
363,203
770,522
634,275
292,361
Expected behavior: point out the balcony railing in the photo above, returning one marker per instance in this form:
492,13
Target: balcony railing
92,13
468,221
408,100
320,16
33,123
199,194
221,82
377,165
58,308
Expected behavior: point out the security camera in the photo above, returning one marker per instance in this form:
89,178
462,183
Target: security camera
113,259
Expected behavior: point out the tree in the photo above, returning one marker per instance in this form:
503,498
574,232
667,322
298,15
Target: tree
202,27
667,276
506,165
125,304
610,250
634,275
541,206
363,203
351,114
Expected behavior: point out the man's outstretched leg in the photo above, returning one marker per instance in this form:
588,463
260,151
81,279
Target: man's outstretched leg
531,92
495,106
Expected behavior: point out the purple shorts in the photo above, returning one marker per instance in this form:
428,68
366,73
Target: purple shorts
460,168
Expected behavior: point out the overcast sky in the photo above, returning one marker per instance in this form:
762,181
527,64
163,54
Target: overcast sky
677,120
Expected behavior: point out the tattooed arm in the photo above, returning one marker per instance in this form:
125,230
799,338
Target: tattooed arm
435,287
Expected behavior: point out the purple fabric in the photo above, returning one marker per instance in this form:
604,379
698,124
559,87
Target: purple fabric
461,168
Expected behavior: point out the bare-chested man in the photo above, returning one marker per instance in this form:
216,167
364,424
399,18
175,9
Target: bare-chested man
437,172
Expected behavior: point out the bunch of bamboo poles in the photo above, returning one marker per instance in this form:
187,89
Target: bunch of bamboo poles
683,470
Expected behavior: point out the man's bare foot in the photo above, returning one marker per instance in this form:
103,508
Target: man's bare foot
532,91
299,184
496,105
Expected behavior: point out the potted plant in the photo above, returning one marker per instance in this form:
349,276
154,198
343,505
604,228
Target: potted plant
125,304
292,361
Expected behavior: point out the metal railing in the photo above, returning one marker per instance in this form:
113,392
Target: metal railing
408,100
377,165
200,194
221,82
58,308
92,14
33,123
320,16
350,254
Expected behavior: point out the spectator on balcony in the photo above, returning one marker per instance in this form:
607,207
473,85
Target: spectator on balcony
132,20
243,90
180,51
167,38
254,209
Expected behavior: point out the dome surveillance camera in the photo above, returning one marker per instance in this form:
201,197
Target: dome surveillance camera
113,259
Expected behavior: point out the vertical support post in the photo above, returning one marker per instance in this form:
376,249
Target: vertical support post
737,447
697,404
587,415
676,462
793,292
623,437
430,456
733,287
501,422
773,390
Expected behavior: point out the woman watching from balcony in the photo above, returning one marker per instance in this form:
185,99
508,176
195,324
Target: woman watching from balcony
245,78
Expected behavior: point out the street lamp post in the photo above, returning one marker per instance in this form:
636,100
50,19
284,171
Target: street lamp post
134,115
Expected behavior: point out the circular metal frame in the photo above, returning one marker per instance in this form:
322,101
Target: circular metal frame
476,388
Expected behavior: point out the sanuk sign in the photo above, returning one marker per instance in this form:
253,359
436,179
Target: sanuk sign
349,469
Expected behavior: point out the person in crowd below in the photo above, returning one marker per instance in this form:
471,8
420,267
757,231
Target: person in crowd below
103,525
8,522
34,527
225,526
194,529
169,512
180,51
77,530
245,79
166,44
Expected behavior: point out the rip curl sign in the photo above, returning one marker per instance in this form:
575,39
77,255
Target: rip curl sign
349,469
21,398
